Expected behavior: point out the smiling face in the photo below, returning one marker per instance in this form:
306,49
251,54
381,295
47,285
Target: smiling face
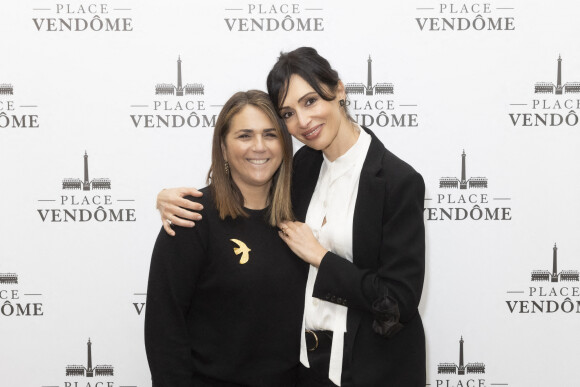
319,124
253,148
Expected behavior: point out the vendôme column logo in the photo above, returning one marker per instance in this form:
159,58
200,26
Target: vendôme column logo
550,291
100,375
89,371
469,199
374,105
87,207
14,114
17,303
457,16
462,374
547,111
77,16
176,106
274,16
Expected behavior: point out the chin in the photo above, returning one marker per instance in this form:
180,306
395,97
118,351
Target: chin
317,143
259,181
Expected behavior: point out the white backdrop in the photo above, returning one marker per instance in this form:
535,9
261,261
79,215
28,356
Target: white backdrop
81,76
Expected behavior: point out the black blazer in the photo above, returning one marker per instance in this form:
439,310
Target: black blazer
385,342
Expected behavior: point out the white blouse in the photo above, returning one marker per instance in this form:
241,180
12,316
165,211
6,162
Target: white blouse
334,198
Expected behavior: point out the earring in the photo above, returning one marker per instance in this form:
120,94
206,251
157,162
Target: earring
227,168
342,102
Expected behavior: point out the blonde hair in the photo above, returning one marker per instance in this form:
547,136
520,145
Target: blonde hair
228,197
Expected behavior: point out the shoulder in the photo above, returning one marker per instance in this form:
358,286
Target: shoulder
306,155
305,167
399,170
208,213
388,165
207,200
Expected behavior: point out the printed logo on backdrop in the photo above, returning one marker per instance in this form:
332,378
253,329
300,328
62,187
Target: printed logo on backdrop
139,303
15,114
94,372
465,16
269,17
15,302
466,197
177,105
553,104
77,16
552,291
374,105
94,201
466,372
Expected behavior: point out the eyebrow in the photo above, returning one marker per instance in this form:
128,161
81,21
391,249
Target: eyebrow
300,99
267,130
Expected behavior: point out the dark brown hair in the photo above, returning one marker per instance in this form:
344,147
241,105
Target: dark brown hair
309,65
228,197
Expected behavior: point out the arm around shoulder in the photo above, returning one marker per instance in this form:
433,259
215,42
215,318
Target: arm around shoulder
174,208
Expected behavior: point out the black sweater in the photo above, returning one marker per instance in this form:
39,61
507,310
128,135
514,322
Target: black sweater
209,316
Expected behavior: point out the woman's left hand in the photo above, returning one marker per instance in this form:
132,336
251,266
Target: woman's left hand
299,237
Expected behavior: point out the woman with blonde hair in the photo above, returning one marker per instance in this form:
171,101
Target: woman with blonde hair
214,313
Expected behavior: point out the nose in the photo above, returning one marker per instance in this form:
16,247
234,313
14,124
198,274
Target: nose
303,119
259,145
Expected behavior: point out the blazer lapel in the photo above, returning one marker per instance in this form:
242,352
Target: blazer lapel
367,223
368,210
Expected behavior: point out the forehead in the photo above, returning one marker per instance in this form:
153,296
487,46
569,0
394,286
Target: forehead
250,117
297,87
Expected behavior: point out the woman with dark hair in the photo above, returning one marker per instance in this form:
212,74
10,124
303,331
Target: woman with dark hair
213,315
363,235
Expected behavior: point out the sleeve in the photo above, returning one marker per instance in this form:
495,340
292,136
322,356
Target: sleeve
391,292
175,267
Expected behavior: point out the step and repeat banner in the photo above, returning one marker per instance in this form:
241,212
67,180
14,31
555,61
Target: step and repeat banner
103,104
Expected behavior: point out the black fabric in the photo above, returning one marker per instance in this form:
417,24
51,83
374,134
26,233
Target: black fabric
319,359
207,314
318,339
288,379
385,342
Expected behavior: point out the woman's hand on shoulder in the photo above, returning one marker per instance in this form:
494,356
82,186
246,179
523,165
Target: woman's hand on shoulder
175,209
299,237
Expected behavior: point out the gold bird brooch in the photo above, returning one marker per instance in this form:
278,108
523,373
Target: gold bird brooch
241,249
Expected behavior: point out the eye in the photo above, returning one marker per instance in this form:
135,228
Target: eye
243,135
310,101
272,135
286,115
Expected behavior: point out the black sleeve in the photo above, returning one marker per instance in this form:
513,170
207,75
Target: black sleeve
175,267
395,287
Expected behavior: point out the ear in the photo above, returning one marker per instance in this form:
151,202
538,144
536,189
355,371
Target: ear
224,152
340,91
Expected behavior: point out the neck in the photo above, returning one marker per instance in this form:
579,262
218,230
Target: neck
346,137
255,197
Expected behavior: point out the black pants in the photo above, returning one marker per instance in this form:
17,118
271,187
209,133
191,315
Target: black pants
287,379
319,360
